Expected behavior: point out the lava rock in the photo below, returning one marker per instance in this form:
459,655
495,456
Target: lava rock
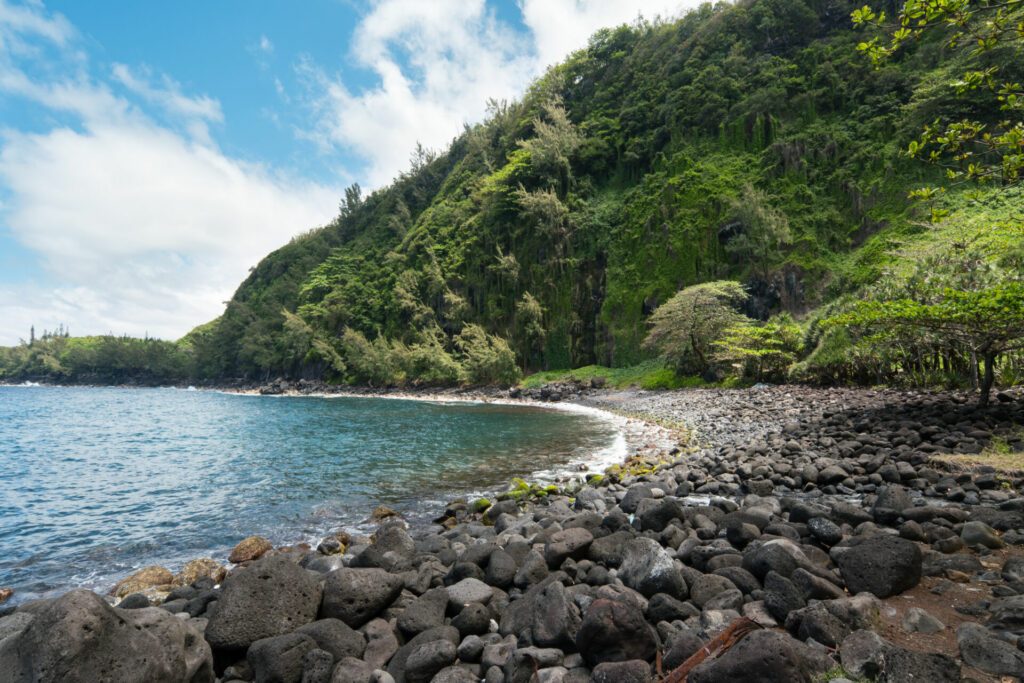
249,549
424,612
280,659
632,671
763,656
615,631
881,565
357,595
271,597
79,638
982,650
648,569
336,637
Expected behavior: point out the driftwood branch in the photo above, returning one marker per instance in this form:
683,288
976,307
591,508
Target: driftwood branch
716,647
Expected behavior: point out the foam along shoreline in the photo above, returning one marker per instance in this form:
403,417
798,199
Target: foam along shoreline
634,435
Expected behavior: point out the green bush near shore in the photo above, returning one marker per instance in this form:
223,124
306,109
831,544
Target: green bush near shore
647,375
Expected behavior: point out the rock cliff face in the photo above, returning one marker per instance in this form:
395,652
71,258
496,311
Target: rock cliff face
793,524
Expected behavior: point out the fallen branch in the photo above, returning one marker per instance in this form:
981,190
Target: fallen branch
716,647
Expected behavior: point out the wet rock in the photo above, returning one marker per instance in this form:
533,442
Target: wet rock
279,659
79,638
251,548
336,637
199,569
134,601
271,597
647,568
141,580
615,631
881,565
357,595
776,657
982,650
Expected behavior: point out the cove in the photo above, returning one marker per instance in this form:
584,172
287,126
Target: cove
95,482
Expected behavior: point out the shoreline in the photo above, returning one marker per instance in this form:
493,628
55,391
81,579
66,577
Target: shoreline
825,518
634,438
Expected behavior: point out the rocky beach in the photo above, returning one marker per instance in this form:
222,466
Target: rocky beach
775,533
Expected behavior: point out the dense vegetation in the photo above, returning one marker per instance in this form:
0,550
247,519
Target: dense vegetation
751,143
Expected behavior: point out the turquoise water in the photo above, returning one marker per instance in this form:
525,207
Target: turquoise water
97,481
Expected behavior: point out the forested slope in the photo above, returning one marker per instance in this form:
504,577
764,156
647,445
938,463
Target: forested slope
746,141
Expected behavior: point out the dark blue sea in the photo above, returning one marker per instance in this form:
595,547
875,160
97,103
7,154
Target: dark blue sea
95,482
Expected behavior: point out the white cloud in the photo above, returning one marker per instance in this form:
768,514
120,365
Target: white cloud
266,45
560,27
439,62
141,228
167,94
150,232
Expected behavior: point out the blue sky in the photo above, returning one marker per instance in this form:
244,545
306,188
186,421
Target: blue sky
151,153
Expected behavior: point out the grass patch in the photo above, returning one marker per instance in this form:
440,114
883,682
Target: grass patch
999,455
647,375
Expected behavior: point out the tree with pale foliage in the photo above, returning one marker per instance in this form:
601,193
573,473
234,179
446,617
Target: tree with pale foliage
684,328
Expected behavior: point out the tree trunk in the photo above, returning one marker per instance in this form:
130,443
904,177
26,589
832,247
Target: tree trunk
988,379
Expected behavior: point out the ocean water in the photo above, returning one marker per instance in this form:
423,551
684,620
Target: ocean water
95,482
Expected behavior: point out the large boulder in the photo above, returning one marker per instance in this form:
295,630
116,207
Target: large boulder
79,638
761,657
357,595
982,650
881,565
271,597
647,568
615,631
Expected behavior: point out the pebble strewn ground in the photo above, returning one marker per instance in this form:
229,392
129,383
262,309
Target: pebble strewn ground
823,527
